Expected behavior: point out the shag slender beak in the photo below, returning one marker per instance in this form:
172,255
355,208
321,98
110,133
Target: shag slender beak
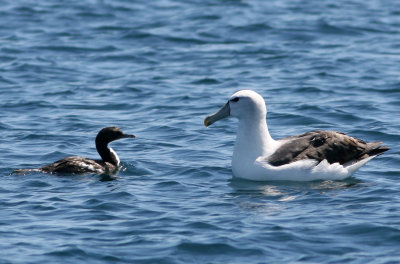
127,136
225,111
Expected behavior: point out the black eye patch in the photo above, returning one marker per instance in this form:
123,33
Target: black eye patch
236,99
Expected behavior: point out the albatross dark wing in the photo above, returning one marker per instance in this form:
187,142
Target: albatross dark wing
329,145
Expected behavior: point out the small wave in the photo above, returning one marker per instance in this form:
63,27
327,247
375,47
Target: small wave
169,184
328,28
252,28
36,184
216,249
77,49
68,251
207,81
112,28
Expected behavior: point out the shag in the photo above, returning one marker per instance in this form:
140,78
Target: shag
109,163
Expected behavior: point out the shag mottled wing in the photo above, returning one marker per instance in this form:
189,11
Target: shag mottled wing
78,165
319,145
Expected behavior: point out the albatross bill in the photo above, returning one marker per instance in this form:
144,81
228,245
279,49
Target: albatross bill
220,114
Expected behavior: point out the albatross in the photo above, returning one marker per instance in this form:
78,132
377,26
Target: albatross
315,155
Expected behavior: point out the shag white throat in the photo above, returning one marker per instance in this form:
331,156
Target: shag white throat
316,155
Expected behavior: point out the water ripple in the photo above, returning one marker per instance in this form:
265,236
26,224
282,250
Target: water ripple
157,68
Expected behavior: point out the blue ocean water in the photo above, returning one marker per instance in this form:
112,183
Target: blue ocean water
156,69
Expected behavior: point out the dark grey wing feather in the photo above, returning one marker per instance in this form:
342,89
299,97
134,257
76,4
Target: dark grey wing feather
76,165
319,145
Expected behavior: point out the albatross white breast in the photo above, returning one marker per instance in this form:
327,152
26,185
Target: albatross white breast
316,155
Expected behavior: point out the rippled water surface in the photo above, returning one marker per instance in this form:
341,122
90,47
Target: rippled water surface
156,69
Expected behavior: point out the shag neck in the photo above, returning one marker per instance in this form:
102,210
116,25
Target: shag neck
107,154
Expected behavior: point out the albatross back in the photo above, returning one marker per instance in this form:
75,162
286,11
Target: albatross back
335,147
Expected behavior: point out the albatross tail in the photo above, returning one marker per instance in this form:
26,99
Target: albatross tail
375,149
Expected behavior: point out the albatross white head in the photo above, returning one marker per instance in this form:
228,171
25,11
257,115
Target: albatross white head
244,104
253,138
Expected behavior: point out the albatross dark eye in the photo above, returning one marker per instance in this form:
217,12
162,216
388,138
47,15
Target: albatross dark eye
236,99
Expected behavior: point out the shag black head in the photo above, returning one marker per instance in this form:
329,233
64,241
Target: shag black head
109,134
105,136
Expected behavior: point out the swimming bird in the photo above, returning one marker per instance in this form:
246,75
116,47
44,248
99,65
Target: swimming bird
109,163
315,155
